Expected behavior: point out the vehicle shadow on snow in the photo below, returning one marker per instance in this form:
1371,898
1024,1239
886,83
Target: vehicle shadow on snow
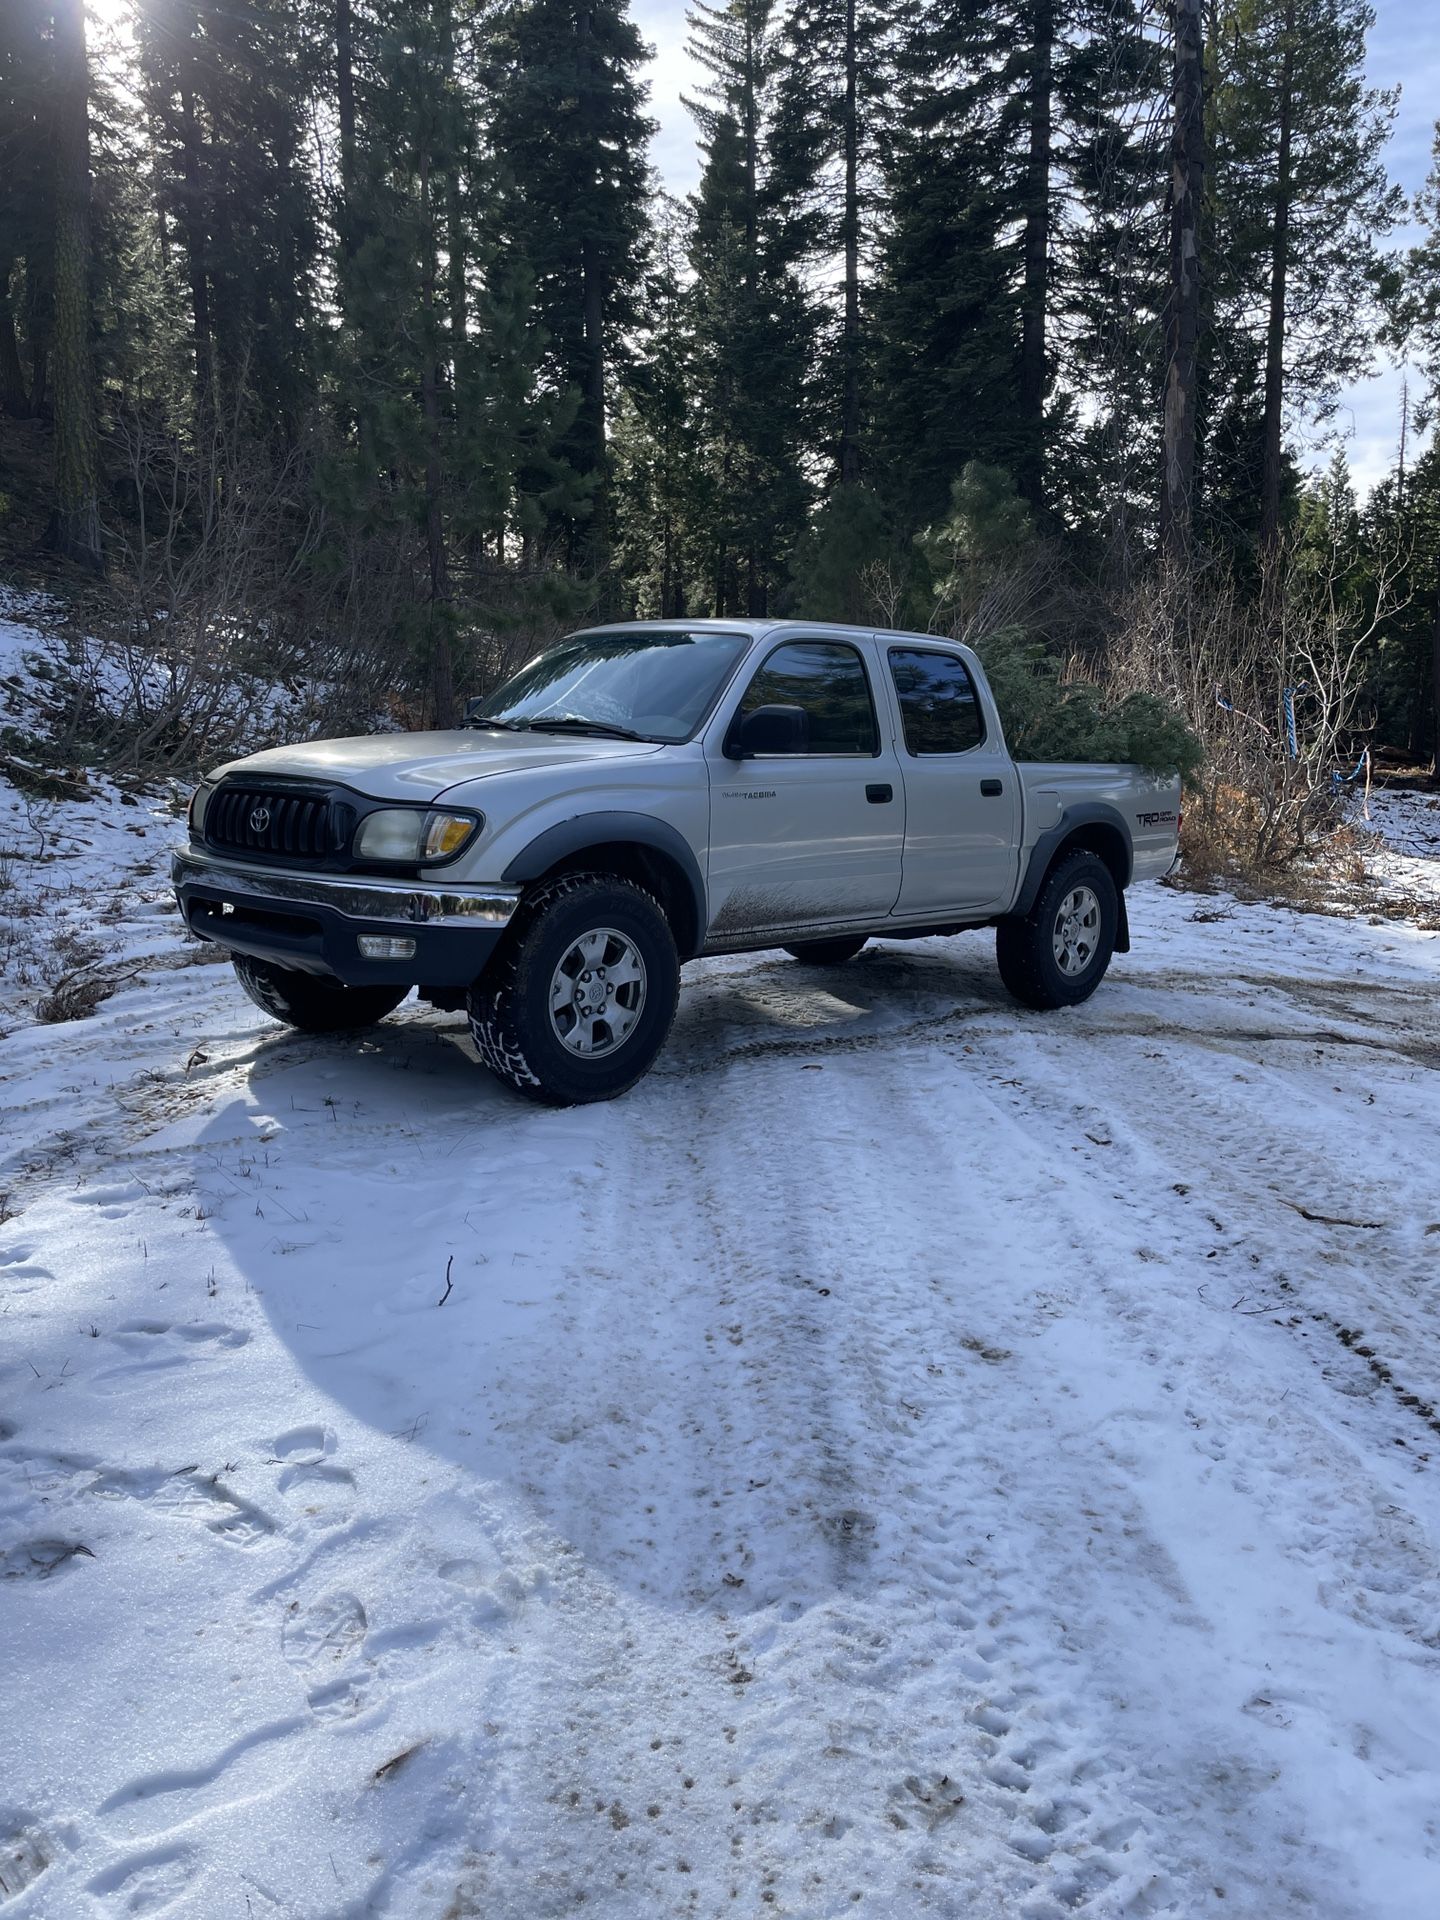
735,1007
510,1288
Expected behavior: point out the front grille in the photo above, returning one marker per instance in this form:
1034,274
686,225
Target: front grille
284,821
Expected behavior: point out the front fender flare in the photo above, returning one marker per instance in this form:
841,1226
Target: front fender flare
587,830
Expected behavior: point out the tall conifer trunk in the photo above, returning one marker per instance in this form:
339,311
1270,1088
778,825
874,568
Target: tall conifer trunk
850,336
345,112
596,543
1182,320
1037,256
1273,441
14,397
75,530
194,227
442,666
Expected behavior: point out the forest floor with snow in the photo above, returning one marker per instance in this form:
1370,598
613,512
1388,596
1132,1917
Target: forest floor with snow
911,1456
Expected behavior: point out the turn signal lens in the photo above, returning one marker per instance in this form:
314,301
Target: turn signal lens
446,833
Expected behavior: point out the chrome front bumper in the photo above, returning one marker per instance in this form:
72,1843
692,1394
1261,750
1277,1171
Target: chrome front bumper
407,903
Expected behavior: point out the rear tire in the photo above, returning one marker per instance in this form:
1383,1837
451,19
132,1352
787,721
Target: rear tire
1056,956
828,953
313,1002
582,995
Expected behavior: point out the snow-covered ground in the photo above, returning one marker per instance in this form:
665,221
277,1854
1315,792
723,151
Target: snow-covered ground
909,1457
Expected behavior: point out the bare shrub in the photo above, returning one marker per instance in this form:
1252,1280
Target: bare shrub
241,611
1245,674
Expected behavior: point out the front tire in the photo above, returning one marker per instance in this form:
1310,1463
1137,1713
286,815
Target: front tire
580,999
828,953
313,1002
1057,955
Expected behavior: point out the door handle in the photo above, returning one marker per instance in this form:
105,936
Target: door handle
878,792
990,788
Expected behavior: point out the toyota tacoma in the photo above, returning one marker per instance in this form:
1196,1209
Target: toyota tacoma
645,794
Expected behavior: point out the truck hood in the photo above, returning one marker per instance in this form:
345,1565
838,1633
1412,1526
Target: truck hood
420,766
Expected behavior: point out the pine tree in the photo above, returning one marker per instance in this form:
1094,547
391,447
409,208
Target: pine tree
568,120
1415,327
1183,310
227,91
1110,270
657,475
830,106
948,298
756,324
1300,201
398,348
453,438
27,185
76,528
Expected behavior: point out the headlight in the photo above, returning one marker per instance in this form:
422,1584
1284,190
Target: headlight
199,800
409,838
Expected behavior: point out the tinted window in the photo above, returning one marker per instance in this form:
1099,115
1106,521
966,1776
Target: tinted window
937,701
829,682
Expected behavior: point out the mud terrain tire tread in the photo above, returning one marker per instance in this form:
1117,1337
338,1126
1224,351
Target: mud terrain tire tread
507,1005
1023,948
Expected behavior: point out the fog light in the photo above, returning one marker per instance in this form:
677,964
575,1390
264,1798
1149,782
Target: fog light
385,946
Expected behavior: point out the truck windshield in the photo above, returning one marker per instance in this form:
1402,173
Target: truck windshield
642,685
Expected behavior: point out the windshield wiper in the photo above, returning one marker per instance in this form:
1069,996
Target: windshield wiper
489,720
573,723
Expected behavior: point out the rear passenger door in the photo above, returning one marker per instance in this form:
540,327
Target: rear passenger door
812,838
962,802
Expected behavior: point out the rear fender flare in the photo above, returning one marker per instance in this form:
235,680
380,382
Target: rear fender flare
1090,813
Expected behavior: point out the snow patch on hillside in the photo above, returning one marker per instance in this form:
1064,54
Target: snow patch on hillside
63,688
85,890
1405,863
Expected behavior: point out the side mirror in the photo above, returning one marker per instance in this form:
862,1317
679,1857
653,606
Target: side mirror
473,706
774,729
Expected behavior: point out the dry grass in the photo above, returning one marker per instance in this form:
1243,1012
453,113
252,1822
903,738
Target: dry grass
75,997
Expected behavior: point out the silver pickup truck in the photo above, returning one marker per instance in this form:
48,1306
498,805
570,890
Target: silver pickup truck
645,794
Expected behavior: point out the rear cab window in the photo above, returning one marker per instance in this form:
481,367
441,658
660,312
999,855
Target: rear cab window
940,708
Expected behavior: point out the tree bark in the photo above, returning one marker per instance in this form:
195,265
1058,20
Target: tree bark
75,531
14,396
193,226
850,236
1272,459
596,542
442,665
1037,257
345,112
1182,319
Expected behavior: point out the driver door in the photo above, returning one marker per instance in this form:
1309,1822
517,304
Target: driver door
813,839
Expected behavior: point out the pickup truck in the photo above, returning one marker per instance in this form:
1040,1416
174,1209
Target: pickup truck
644,794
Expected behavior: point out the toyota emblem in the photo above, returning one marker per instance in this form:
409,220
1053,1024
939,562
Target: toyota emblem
259,819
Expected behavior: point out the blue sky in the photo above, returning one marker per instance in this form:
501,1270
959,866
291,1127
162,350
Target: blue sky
1404,52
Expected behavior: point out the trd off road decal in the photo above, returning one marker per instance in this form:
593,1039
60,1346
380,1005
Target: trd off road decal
1155,819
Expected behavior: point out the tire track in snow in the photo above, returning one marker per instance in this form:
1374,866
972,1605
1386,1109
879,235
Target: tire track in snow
786,1417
